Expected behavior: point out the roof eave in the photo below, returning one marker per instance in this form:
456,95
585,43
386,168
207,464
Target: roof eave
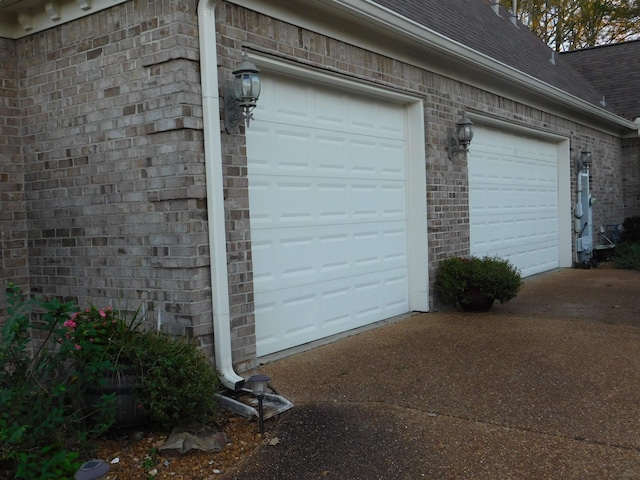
25,17
470,66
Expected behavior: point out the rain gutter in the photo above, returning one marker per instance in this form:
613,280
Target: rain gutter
215,197
455,59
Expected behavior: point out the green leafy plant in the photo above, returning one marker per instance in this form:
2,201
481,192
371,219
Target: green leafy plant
38,443
177,384
460,279
631,229
148,463
627,256
55,356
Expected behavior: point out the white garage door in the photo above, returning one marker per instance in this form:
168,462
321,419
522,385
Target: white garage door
513,199
328,210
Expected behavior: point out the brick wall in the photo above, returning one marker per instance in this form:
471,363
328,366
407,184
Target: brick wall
114,163
631,176
13,231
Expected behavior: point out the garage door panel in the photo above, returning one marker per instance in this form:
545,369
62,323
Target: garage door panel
509,200
292,256
297,314
304,201
290,101
294,151
513,199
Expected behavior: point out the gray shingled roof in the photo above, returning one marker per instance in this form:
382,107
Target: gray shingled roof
474,24
615,71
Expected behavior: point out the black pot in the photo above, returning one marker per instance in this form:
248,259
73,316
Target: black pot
475,302
124,386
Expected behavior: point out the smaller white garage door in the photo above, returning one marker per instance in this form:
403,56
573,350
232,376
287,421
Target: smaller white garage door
513,199
327,190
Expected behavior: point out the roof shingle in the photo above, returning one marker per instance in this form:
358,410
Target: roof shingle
615,71
474,24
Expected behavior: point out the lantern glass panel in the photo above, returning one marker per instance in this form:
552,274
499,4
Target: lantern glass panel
465,133
259,388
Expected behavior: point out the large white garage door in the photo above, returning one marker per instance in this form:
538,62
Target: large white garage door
328,210
513,199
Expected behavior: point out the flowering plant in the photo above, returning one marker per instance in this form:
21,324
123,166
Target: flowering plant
98,337
57,357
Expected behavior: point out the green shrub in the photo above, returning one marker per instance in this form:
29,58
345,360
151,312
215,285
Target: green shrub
177,382
493,279
631,229
627,256
46,416
42,414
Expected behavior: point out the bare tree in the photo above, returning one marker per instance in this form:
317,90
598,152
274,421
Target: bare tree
572,24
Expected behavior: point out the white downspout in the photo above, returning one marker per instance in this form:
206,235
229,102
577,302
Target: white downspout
215,197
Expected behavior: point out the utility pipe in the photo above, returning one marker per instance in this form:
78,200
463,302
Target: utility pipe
215,197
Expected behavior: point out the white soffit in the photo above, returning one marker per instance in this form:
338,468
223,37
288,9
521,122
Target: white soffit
19,18
376,28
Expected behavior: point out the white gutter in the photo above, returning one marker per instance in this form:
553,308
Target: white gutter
427,40
454,49
215,197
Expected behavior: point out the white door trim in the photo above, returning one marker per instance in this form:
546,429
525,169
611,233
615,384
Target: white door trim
415,164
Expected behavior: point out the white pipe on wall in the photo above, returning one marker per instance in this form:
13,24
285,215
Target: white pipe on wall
215,197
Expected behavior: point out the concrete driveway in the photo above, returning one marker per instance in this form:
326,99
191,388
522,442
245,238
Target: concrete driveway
546,386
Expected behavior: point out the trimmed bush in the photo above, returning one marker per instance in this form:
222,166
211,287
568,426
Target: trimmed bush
458,279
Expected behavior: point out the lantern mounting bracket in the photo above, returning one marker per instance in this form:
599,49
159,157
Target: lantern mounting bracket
234,114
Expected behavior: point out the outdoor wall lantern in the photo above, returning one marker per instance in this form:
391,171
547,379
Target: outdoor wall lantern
240,100
259,388
92,470
585,158
459,142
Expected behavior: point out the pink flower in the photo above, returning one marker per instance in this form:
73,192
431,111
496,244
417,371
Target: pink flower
91,339
78,347
70,324
102,314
